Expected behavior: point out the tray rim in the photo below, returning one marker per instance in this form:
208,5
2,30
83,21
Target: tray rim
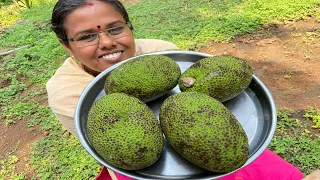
85,143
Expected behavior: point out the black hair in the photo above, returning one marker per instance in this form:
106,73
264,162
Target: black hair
64,7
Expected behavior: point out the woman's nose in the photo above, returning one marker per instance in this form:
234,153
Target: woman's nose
106,41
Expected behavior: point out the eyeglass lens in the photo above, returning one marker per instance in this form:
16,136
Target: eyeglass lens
88,39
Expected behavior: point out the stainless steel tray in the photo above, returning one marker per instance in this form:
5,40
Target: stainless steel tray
255,110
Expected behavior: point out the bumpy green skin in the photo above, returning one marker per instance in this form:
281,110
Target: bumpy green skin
202,130
221,77
125,132
145,77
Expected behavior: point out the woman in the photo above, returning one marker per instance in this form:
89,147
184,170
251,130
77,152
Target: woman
98,34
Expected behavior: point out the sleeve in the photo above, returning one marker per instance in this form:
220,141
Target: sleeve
63,98
153,45
67,123
315,175
64,89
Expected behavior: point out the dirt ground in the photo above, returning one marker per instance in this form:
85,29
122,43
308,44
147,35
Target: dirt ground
285,58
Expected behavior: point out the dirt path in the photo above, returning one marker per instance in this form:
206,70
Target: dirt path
285,58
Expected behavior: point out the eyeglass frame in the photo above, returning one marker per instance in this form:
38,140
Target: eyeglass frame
97,33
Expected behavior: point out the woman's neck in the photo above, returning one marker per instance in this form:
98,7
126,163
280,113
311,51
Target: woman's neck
88,70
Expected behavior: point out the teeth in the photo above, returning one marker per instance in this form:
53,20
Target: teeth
112,56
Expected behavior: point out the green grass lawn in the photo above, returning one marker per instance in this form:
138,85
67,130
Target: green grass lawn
189,24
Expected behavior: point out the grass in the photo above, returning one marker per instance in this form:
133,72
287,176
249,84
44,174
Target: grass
313,115
296,139
6,20
189,24
60,154
8,169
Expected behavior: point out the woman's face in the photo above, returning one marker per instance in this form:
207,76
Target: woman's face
95,17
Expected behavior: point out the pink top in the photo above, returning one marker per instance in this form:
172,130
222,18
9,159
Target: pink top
268,166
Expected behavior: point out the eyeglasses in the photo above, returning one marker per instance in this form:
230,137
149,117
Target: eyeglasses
89,39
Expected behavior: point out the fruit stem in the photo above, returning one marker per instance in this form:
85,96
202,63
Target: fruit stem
188,81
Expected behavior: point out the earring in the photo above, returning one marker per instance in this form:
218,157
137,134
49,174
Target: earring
74,59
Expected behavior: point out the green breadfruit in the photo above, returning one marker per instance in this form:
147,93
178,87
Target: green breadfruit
221,77
202,130
145,77
125,132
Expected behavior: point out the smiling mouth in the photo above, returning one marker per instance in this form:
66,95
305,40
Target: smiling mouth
112,56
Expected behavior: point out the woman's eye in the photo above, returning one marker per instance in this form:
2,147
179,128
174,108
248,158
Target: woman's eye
115,30
87,37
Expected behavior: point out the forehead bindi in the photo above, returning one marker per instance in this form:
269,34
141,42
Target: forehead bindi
90,2
91,18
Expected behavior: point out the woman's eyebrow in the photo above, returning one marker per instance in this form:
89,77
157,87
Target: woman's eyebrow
92,30
115,22
86,31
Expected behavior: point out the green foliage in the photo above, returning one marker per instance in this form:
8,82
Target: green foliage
35,61
60,156
300,150
5,2
190,24
285,120
24,3
313,115
8,93
295,142
8,169
16,111
9,15
32,3
32,110
37,13
11,12
25,33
